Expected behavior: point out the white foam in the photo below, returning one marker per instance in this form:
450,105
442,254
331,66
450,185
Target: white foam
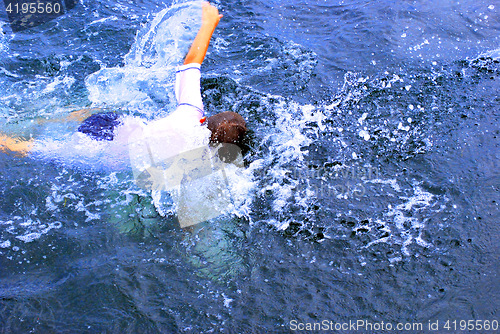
5,244
405,221
392,182
242,185
227,301
4,71
3,39
65,82
419,200
109,18
29,237
35,230
286,144
364,134
493,54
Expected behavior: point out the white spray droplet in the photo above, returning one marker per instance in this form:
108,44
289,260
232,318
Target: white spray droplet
364,134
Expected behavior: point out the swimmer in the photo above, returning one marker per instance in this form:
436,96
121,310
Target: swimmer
186,120
211,250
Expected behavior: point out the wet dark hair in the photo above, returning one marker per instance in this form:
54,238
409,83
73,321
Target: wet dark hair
227,127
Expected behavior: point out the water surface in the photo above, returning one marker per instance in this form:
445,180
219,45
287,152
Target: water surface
371,188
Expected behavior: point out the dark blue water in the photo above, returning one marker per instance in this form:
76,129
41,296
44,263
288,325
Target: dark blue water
370,191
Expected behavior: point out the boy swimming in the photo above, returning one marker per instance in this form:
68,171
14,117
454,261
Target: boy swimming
184,129
108,138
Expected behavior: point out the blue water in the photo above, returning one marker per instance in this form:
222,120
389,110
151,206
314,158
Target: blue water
370,189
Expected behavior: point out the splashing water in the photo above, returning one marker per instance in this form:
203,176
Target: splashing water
374,199
145,83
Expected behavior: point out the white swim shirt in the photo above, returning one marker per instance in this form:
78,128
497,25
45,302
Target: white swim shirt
145,143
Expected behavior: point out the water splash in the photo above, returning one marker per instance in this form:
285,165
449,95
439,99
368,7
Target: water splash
145,83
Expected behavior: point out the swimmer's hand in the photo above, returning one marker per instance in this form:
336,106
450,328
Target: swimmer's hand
210,15
16,146
210,18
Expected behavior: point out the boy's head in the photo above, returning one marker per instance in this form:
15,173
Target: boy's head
227,127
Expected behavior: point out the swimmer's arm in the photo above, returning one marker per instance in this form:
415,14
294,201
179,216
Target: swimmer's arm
75,116
11,145
23,147
209,19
